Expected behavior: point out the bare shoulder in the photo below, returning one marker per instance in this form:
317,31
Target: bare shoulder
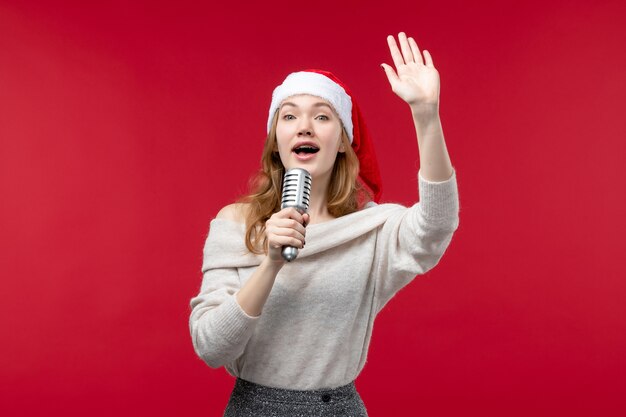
235,212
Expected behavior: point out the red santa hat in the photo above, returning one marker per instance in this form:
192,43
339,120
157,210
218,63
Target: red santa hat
326,85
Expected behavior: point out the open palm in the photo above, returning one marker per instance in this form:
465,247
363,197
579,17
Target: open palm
416,80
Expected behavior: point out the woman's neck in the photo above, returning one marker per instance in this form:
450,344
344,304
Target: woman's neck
318,207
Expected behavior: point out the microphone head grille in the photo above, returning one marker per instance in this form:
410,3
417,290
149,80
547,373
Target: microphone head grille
296,189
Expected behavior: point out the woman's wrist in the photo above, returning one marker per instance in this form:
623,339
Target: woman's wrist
253,295
272,265
425,115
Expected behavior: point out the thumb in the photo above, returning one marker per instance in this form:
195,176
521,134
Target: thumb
391,74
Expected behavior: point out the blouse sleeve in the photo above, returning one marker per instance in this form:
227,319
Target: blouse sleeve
413,241
219,327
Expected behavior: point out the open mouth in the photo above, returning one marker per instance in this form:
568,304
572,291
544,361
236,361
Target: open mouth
305,149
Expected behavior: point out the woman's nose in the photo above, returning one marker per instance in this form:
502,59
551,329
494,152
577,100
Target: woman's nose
305,128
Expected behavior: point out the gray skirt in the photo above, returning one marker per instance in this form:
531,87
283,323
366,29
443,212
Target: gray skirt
249,399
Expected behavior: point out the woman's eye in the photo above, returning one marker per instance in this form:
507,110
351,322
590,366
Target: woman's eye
288,117
323,117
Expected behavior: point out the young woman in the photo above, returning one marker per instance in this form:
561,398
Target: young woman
296,334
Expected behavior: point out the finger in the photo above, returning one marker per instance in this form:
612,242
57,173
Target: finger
275,232
289,233
288,224
278,241
416,51
286,236
290,213
307,219
429,59
406,49
395,52
391,75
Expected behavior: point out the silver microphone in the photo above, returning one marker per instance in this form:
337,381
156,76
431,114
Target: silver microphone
296,193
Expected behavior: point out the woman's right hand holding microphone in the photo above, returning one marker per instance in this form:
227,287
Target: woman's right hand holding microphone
285,228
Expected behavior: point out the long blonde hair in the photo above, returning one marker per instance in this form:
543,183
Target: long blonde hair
345,192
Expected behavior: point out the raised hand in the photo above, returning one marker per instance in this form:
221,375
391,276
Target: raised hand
415,80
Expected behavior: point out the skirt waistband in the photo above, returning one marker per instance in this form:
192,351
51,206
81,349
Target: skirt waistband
271,394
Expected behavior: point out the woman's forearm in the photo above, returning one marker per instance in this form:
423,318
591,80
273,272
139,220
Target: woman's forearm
435,164
254,293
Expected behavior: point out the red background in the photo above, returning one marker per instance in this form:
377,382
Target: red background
124,128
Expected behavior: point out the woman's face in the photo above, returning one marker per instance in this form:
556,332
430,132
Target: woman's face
308,135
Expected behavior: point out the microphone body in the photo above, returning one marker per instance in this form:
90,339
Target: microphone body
296,193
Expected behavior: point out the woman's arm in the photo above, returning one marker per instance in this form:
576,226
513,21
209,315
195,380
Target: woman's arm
414,241
225,313
285,227
417,83
253,295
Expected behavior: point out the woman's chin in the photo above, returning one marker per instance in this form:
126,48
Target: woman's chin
307,164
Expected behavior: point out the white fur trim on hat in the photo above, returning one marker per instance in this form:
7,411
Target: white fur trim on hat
318,85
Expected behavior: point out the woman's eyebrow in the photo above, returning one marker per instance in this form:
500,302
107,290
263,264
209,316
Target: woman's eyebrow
318,104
